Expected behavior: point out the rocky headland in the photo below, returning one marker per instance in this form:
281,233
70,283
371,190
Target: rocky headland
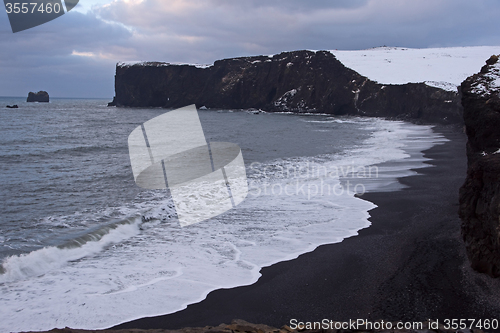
480,194
298,81
41,96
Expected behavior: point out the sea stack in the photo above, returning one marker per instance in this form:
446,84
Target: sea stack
41,96
480,194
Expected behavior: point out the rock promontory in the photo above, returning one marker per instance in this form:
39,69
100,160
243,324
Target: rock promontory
41,96
298,81
480,194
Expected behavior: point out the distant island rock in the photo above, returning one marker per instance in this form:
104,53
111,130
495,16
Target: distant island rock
480,194
298,81
41,96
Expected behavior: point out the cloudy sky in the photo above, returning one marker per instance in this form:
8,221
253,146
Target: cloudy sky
75,54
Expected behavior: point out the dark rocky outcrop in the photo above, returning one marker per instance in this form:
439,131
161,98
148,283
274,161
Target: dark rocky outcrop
480,194
41,96
299,81
15,106
113,102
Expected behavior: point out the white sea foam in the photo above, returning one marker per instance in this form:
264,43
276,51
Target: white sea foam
161,267
42,261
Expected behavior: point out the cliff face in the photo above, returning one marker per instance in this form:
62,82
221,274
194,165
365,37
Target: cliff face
299,81
480,194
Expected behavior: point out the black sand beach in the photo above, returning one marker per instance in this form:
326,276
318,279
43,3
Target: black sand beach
410,265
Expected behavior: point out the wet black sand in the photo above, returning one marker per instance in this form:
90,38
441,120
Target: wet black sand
409,265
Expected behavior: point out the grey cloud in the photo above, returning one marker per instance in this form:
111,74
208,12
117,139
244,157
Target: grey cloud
295,5
40,58
246,29
204,31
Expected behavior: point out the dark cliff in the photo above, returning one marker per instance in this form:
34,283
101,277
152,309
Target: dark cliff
299,81
41,96
480,194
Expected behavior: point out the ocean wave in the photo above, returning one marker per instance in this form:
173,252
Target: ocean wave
43,260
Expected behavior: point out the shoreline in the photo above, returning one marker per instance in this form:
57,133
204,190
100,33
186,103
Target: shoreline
409,265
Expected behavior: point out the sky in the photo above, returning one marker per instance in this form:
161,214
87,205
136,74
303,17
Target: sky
75,55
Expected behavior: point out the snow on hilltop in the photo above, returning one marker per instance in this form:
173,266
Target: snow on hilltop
440,67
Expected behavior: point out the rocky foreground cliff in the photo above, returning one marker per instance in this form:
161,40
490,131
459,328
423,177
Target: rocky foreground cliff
299,81
480,194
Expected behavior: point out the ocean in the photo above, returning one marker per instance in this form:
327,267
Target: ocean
82,246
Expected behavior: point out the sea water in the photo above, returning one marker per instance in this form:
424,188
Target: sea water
82,246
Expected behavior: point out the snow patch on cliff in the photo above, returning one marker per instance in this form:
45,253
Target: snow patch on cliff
142,63
159,64
489,83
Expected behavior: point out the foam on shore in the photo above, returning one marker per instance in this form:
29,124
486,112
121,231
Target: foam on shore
161,268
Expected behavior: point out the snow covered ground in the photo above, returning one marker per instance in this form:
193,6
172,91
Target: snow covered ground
441,67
